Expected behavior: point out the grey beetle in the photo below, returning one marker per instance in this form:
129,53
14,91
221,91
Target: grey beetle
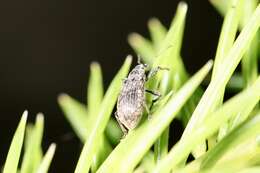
131,100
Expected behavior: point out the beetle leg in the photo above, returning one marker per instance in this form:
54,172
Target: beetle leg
154,71
155,93
123,128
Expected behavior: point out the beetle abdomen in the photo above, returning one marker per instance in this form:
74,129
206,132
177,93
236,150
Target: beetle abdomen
130,104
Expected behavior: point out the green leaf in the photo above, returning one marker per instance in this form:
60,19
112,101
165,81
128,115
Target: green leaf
221,5
226,40
168,56
113,132
224,156
14,152
210,97
249,61
170,48
98,127
135,145
227,35
94,98
255,169
246,101
76,113
248,129
45,164
161,145
142,47
95,89
33,152
243,156
80,120
103,150
147,164
161,102
157,32
231,169
235,83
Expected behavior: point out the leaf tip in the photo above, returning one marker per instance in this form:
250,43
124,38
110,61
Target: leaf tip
62,97
25,115
40,117
94,65
52,147
134,38
129,59
183,5
209,64
153,22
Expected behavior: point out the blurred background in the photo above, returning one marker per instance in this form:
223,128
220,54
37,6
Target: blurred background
46,47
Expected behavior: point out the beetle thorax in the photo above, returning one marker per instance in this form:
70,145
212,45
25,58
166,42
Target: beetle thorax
138,73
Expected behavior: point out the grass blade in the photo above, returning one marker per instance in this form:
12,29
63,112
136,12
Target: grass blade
226,40
14,152
245,131
147,164
243,156
209,98
95,89
33,153
249,61
221,5
170,48
102,118
169,57
113,132
246,99
227,35
142,47
80,120
45,164
255,169
157,32
137,143
76,113
27,164
94,98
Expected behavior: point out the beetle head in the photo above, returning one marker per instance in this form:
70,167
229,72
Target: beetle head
138,73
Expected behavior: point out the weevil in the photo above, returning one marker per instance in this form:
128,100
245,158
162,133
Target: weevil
131,99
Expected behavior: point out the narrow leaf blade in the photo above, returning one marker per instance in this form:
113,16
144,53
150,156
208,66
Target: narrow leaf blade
102,118
14,152
45,164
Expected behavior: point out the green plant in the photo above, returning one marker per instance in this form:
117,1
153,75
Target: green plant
223,136
32,160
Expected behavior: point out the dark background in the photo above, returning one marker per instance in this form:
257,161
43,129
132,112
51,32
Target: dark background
46,47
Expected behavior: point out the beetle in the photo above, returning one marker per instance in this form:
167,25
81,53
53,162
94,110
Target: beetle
131,99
